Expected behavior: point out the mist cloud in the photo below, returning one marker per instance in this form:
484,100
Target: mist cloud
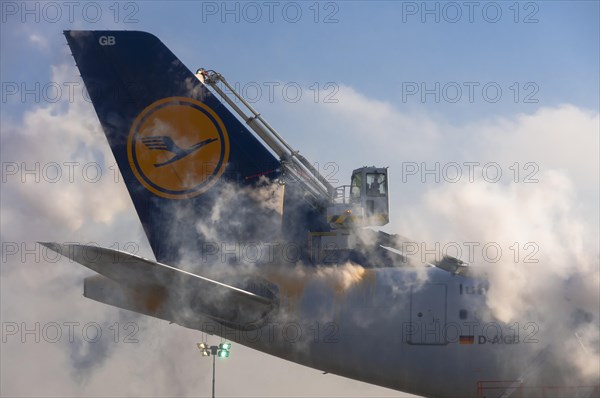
553,213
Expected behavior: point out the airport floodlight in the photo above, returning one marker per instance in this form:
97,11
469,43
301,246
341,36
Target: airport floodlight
204,349
223,354
225,346
224,350
221,351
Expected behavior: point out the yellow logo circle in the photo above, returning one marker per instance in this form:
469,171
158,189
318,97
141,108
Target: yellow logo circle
178,148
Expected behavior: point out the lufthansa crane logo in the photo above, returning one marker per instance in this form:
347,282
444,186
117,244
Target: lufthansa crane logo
178,148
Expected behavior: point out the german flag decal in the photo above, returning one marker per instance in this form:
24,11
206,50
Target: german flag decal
466,339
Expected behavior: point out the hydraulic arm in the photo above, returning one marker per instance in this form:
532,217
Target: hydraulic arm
294,164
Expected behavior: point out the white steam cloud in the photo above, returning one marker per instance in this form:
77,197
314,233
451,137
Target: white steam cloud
558,214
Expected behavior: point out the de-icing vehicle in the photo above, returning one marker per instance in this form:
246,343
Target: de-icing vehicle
363,203
254,245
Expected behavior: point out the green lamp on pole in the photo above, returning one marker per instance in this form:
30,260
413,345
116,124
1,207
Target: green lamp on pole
222,351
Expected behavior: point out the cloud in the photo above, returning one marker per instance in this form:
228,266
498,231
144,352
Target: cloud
47,197
58,151
39,41
545,202
355,129
549,260
354,132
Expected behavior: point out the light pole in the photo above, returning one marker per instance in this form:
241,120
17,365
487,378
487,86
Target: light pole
212,348
221,350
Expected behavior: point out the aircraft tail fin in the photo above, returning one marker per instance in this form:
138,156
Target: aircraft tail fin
185,158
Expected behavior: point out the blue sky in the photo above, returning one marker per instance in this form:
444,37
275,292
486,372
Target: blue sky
543,56
375,47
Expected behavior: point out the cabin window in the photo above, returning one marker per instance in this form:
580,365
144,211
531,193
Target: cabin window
462,314
355,187
376,184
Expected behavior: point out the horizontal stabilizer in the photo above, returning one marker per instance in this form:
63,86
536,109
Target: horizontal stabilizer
163,291
107,291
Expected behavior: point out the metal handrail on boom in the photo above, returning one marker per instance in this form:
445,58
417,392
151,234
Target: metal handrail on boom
292,162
